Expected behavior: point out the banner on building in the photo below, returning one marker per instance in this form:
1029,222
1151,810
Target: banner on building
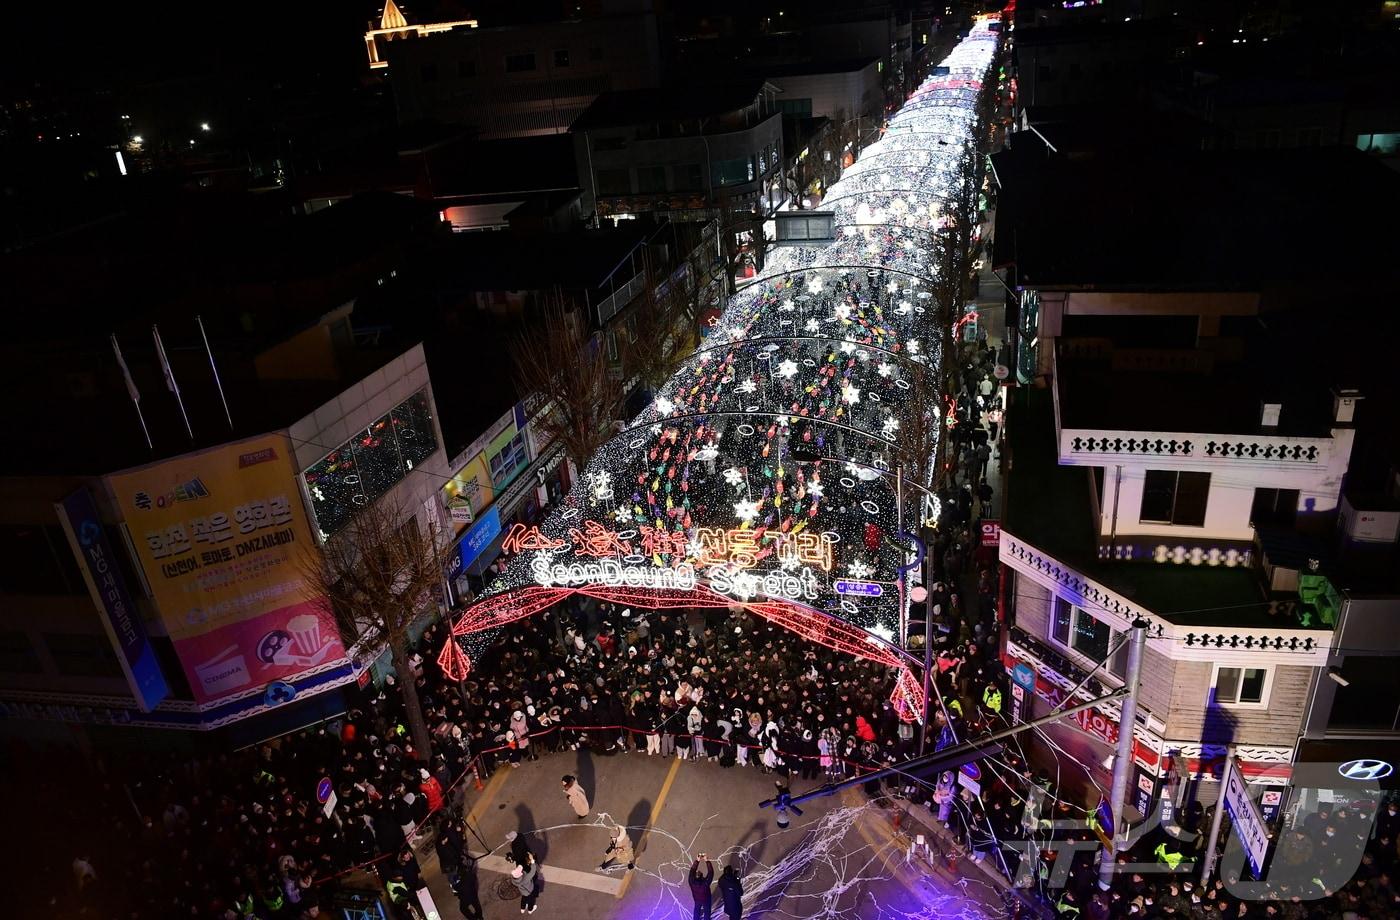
83,525
220,535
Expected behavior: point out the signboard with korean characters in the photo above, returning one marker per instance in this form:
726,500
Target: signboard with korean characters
220,535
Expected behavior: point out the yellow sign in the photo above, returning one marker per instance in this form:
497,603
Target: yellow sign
220,535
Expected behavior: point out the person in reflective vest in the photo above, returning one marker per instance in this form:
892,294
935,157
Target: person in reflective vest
272,900
1172,859
991,698
1066,906
397,889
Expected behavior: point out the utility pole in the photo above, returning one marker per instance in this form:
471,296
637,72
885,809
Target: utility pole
1123,762
1208,865
928,637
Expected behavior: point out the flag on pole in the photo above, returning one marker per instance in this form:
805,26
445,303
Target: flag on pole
131,390
170,379
1101,822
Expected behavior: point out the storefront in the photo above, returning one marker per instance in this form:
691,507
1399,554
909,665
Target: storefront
477,548
1335,772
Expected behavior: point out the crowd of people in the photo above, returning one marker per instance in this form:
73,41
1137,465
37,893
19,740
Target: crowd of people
242,835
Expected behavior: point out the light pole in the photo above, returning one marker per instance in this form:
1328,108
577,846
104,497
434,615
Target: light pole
1123,760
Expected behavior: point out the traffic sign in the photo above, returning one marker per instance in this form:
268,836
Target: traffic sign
863,588
324,789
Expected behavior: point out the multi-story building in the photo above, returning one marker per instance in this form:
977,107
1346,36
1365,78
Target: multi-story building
1174,457
522,80
688,154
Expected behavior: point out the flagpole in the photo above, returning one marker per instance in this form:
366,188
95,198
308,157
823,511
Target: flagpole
170,379
131,391
215,368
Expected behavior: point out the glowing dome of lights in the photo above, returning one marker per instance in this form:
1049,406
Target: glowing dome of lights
760,474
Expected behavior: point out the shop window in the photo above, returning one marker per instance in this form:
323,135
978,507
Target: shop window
689,177
520,63
1174,497
1274,507
1241,686
1073,628
614,182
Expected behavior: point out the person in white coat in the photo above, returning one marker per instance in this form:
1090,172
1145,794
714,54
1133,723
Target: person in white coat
578,799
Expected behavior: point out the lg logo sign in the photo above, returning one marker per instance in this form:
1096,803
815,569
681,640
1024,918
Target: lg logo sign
1366,769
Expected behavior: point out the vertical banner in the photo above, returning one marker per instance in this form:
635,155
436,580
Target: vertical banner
220,535
83,526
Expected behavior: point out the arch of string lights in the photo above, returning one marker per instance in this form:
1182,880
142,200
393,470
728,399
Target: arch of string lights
760,475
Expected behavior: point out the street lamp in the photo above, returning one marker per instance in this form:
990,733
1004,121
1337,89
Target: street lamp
204,126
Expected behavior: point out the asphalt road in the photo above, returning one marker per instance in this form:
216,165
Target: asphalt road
841,860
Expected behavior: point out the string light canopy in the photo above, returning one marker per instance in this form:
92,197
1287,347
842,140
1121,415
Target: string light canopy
763,474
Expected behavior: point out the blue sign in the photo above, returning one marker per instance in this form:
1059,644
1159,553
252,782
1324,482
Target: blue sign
863,588
1024,675
83,525
486,529
323,789
971,770
279,692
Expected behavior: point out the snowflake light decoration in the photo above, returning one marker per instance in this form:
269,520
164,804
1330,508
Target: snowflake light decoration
748,386
815,487
850,394
787,369
812,326
734,476
890,426
746,510
884,369
859,570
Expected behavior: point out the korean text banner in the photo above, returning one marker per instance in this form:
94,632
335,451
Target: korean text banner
220,535
83,525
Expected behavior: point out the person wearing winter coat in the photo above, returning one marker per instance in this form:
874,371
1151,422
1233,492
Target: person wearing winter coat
578,799
731,892
431,789
525,879
619,851
695,726
700,886
521,728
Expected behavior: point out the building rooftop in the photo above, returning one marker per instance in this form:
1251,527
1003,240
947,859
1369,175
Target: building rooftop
1226,220
811,68
667,103
1049,507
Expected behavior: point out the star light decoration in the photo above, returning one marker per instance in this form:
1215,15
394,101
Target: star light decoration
902,189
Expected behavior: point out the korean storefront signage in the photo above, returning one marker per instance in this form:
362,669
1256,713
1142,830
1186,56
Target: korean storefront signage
220,536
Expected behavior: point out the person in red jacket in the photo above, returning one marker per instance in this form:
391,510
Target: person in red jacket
431,789
863,729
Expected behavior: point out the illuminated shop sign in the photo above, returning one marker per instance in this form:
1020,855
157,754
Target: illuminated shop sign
612,573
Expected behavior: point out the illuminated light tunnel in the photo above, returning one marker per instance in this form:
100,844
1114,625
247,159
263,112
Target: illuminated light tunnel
762,475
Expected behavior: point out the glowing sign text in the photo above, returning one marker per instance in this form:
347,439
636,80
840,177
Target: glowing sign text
795,586
612,573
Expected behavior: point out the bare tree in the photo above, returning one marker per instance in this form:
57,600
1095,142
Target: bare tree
559,360
375,576
663,324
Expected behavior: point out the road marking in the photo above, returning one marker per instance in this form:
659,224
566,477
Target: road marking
557,875
655,813
891,846
493,786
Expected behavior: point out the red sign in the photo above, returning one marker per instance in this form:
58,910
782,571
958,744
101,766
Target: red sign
991,533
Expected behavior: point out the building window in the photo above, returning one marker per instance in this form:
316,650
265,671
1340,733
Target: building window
1241,686
614,182
519,63
561,57
689,178
365,467
616,142
1172,497
429,72
1073,628
733,172
509,460
651,179
798,108
1274,507
466,68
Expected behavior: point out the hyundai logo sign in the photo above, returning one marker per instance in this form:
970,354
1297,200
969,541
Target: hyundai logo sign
1365,769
